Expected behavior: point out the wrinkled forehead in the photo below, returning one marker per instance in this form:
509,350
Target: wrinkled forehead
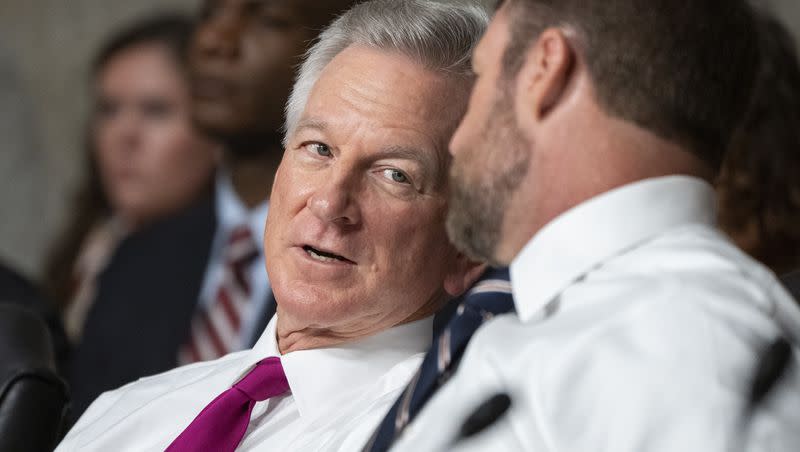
392,98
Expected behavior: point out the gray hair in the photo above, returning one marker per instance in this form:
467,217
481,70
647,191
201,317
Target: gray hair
440,35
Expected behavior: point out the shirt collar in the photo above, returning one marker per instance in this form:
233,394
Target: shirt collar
604,226
231,211
320,378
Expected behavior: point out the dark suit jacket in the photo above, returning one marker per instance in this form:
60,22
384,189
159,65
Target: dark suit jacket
145,301
267,312
792,283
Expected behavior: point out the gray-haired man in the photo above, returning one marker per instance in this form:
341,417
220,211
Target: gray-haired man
357,253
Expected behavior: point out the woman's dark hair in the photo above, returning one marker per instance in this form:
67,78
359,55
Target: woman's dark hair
172,30
90,205
760,181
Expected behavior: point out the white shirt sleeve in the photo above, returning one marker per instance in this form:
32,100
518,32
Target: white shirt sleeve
642,377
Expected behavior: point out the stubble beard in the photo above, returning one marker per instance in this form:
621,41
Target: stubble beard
477,206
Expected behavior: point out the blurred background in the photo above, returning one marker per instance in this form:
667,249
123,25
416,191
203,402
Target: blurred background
45,48
45,52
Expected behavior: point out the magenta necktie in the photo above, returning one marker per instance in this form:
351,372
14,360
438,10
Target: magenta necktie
223,422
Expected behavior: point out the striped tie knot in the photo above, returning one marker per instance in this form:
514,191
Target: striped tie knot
242,248
489,297
216,328
483,298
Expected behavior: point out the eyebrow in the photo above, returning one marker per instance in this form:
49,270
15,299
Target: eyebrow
313,124
402,152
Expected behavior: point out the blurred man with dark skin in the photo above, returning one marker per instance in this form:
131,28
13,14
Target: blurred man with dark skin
241,64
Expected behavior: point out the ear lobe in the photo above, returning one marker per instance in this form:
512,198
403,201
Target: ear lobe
463,275
545,74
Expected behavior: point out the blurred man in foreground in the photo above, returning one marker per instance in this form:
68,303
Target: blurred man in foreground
356,248
584,161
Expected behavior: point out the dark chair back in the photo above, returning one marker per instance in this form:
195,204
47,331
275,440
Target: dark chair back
33,399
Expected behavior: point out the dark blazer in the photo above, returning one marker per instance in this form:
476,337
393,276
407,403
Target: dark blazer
145,299
267,312
792,283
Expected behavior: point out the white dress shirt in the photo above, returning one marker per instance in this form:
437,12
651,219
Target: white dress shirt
232,213
639,328
338,396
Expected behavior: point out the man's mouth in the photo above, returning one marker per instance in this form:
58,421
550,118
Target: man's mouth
325,256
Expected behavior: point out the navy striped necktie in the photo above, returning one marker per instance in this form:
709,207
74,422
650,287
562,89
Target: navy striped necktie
490,296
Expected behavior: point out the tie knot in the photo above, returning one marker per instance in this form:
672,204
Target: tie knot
241,246
492,294
266,380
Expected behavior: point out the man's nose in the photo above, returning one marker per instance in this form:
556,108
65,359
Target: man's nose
220,36
335,201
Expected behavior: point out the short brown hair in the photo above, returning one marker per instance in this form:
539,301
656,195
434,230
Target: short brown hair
682,69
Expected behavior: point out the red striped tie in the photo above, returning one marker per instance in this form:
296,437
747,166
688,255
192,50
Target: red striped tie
216,329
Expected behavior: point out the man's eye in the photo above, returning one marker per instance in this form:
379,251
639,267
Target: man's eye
396,175
320,149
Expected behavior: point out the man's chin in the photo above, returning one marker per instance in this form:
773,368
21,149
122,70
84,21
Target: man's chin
216,121
240,139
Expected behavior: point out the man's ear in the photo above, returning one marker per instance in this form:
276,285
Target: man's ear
463,275
544,76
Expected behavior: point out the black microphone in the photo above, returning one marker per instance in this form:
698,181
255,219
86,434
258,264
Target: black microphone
774,363
485,415
772,366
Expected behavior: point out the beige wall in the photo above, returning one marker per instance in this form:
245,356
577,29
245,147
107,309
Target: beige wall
51,42
40,123
789,12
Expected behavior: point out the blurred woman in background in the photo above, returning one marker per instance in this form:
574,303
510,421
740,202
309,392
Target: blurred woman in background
759,185
146,161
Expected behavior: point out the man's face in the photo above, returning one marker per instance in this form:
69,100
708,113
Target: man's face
355,240
242,61
490,156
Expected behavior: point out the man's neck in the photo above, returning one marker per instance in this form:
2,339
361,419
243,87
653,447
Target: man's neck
252,176
295,334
